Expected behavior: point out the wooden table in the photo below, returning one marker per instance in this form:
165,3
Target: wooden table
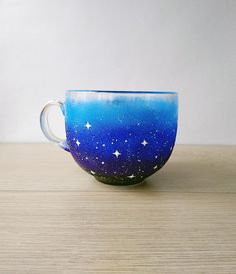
54,218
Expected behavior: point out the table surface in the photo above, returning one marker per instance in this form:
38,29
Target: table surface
55,218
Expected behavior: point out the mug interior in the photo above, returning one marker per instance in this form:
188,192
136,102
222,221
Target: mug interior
125,91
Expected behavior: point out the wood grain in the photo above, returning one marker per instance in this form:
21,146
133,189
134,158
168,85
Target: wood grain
46,167
55,219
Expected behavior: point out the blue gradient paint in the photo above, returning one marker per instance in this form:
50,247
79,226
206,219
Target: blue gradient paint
121,138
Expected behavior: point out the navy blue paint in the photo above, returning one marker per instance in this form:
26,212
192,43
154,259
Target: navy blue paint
122,124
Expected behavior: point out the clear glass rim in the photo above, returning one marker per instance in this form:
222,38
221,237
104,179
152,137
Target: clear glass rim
125,91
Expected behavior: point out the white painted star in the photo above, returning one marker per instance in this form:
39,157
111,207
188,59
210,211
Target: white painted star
88,126
103,145
116,153
131,176
144,143
155,167
103,163
92,172
78,142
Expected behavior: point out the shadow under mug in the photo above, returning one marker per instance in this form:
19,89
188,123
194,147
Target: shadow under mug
119,137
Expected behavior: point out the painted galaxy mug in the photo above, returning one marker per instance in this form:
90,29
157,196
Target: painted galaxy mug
119,137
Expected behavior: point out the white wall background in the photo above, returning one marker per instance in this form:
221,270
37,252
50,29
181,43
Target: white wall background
49,46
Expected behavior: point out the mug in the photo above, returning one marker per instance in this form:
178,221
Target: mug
119,137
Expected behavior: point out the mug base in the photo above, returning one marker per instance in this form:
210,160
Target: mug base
119,181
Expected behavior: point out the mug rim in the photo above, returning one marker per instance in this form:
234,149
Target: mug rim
124,91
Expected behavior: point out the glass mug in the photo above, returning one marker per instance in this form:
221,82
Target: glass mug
119,137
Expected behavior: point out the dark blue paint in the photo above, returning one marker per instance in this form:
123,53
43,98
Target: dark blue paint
122,124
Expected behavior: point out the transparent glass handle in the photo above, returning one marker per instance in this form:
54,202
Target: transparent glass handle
45,127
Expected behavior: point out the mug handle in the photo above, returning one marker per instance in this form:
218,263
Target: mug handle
44,124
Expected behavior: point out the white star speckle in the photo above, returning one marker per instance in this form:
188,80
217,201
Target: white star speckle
131,176
78,142
92,172
86,158
171,148
103,145
144,143
116,153
126,141
155,167
88,126
103,163
139,160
